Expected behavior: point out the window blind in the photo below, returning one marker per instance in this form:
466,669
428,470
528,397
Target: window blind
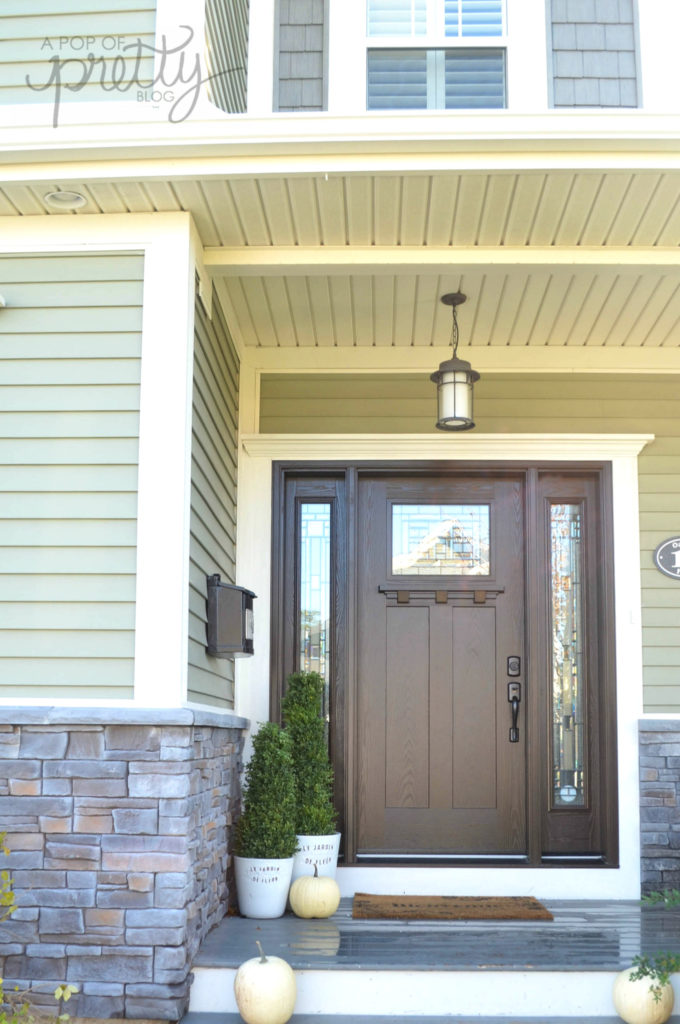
411,79
473,17
409,18
397,79
397,17
474,79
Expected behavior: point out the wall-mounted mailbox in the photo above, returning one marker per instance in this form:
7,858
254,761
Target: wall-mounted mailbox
230,619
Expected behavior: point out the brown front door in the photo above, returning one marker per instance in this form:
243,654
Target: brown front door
426,596
440,611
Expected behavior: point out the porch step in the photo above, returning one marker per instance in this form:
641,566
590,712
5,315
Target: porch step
421,971
316,1018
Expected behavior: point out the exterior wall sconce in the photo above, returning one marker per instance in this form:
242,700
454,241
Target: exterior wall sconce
230,619
454,380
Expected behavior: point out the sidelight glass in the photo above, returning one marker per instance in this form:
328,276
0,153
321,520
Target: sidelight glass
568,691
315,592
440,540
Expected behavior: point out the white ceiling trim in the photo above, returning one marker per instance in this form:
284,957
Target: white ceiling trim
525,360
581,447
353,259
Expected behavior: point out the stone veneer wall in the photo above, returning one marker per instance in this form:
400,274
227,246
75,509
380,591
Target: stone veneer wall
660,804
119,823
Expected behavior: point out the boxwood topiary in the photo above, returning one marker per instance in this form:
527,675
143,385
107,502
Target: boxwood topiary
303,721
266,827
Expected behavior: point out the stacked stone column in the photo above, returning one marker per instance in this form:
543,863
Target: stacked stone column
660,804
118,822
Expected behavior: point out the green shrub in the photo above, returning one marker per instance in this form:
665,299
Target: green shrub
304,723
266,827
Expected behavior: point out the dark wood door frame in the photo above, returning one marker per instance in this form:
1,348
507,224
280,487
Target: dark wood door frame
594,840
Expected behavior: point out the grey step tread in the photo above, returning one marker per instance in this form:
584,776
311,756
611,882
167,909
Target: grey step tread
584,936
315,1018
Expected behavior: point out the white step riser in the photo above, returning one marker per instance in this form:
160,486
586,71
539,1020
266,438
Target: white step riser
436,993
545,883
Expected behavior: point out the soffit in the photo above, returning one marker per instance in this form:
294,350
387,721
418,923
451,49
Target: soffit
597,301
640,208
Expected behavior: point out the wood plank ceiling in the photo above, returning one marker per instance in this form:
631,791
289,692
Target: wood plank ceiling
622,287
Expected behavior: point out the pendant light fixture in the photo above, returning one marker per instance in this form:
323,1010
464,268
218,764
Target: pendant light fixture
454,380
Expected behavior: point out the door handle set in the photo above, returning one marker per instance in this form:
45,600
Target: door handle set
514,698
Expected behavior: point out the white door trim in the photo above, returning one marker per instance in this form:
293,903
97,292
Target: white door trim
259,451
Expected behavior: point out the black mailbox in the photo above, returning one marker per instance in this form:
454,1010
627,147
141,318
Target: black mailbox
230,619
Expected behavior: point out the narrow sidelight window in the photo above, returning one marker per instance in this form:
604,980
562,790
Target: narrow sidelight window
568,684
315,592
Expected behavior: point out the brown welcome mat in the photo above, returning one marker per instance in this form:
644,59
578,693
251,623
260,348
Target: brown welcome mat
449,908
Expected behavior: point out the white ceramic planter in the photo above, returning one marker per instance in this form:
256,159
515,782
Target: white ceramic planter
262,885
635,1004
319,850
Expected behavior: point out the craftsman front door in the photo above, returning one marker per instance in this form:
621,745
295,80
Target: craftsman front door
441,728
461,618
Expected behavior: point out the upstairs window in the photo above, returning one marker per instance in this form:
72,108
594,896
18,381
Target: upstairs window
433,54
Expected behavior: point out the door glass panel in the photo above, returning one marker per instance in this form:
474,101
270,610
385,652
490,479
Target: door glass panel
440,540
315,592
568,703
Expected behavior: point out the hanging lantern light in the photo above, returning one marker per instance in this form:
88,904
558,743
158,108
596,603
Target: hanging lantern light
454,380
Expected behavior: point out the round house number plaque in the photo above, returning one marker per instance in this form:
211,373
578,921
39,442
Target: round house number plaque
667,558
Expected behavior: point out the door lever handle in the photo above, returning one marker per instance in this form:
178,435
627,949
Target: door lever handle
514,698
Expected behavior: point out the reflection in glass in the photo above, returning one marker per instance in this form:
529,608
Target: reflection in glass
568,698
440,540
315,592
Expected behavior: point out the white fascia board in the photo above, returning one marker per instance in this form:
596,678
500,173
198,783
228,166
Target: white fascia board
326,143
171,259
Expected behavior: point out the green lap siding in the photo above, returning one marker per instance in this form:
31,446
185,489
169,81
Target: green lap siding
213,497
597,403
46,41
70,346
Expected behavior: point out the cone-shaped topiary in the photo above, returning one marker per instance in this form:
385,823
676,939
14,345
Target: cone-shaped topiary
303,720
266,827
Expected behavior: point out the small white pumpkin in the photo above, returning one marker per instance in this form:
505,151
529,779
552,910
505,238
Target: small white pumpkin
314,895
635,1003
265,990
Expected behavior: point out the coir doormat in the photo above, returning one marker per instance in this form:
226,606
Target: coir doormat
449,908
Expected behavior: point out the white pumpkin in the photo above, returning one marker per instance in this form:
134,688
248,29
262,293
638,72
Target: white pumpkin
635,1004
314,895
265,990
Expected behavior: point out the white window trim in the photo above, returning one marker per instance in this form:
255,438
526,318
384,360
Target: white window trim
524,41
256,455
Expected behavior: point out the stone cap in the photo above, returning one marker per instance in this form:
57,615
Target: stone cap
130,715
659,724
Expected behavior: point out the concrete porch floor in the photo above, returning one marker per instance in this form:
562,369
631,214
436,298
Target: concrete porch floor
586,935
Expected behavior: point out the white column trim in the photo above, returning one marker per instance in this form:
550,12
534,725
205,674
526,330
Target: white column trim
164,489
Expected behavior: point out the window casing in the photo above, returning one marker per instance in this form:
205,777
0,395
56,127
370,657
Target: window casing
435,54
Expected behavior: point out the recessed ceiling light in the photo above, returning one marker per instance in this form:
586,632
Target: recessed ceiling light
64,200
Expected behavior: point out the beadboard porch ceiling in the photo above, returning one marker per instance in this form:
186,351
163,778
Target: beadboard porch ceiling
561,258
